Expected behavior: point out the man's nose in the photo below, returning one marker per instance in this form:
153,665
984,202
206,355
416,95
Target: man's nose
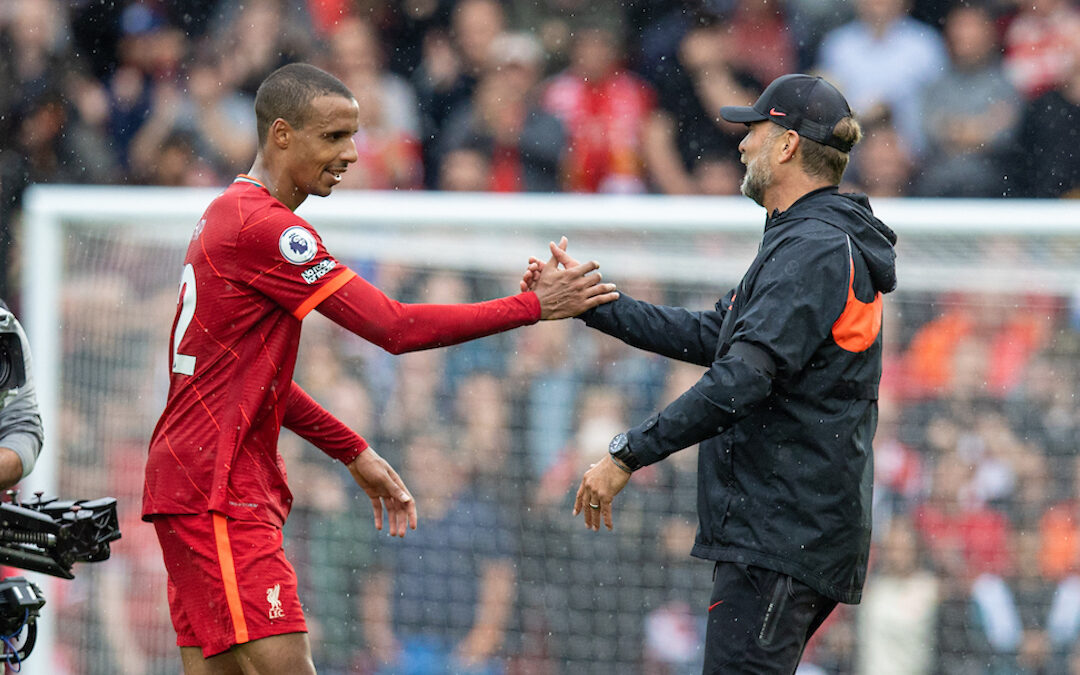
350,154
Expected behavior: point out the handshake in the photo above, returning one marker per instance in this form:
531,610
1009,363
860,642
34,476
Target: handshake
564,286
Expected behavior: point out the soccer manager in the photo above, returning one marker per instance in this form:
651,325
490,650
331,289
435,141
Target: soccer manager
787,410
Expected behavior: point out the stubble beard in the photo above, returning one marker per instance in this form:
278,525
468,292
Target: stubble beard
757,179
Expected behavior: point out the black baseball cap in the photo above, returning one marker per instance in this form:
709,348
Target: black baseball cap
807,105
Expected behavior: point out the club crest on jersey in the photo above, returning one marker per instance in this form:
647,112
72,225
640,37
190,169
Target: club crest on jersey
297,245
273,596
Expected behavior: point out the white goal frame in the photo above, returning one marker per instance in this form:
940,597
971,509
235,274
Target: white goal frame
664,238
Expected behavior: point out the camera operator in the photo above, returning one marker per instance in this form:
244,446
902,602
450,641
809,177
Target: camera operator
20,421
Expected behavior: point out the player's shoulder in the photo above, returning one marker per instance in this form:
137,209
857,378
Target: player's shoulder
249,201
248,207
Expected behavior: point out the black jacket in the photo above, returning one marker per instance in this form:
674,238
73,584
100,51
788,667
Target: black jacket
788,408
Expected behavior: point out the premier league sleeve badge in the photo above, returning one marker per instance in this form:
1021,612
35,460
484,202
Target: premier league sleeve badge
297,245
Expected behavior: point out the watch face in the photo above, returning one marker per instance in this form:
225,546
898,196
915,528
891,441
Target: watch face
617,444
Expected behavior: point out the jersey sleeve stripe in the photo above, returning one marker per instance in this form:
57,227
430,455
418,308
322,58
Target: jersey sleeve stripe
228,577
323,292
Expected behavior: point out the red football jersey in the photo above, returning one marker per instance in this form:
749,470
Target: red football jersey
253,270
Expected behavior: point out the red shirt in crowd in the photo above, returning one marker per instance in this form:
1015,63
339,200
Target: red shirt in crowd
604,122
977,538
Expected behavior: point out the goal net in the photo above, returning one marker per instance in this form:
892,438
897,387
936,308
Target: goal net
976,451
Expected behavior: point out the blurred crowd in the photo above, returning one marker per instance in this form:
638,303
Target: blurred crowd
976,563
971,99
975,567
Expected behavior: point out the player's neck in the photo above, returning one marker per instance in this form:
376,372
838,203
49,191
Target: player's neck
276,183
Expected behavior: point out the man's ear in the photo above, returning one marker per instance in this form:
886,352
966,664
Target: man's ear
280,133
787,145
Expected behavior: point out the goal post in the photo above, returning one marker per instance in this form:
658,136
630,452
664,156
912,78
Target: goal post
100,266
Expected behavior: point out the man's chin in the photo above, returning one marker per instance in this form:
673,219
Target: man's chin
750,190
320,190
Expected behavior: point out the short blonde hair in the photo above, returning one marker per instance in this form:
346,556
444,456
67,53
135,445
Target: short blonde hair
824,161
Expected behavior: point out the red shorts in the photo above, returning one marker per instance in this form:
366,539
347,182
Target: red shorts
229,581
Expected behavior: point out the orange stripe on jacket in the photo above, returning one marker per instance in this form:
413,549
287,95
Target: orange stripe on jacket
860,322
228,577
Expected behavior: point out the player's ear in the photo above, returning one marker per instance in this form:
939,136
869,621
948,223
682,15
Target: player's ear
280,133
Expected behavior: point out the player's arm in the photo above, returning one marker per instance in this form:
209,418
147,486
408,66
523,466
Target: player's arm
403,327
309,420
371,472
400,327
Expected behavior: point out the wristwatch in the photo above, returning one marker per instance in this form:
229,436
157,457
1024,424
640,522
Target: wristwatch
619,449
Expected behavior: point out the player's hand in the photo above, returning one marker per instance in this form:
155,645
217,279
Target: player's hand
536,266
386,490
599,486
569,290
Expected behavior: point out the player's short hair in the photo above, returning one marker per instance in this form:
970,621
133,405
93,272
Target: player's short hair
823,161
288,92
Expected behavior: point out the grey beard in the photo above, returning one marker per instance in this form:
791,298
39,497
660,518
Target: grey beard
757,178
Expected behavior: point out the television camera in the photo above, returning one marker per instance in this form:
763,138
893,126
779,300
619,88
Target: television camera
41,534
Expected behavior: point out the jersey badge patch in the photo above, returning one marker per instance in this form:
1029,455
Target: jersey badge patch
273,596
316,272
297,245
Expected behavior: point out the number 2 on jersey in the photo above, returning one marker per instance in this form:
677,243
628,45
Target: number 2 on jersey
184,363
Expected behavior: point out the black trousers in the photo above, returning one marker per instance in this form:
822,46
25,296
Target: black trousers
759,621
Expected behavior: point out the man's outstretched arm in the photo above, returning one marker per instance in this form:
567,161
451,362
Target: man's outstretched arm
401,327
673,332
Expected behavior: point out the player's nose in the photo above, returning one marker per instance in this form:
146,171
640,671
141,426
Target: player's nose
349,154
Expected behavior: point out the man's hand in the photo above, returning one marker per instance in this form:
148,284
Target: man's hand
385,488
567,291
536,266
598,488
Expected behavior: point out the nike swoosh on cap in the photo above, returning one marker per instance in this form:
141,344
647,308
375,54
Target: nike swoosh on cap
775,112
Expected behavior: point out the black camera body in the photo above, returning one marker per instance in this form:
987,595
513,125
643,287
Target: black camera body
47,535
43,534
